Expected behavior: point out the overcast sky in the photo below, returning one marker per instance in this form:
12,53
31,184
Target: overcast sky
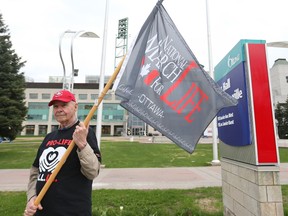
36,25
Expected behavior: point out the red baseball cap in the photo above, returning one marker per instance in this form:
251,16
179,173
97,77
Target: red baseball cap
62,95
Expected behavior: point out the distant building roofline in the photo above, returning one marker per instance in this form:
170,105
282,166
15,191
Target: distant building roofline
46,85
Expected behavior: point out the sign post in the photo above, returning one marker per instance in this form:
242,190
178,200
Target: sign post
248,147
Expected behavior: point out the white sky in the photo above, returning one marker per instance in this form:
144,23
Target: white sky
36,25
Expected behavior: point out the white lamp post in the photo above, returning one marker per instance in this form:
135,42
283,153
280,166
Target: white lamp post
70,85
215,160
102,75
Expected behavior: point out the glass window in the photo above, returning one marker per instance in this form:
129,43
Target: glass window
106,129
46,96
42,129
108,97
54,127
113,112
33,96
118,117
82,96
112,106
38,111
83,110
117,97
88,107
30,129
94,96
83,106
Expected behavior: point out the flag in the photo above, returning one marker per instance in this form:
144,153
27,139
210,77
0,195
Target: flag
163,83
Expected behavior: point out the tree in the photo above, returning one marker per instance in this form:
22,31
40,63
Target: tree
12,87
281,115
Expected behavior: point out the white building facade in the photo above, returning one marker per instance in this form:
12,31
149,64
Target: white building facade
279,81
40,119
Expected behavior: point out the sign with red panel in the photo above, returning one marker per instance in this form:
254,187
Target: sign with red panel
247,131
262,110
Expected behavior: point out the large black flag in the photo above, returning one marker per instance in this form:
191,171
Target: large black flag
163,84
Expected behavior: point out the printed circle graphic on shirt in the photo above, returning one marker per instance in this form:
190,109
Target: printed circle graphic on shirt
50,158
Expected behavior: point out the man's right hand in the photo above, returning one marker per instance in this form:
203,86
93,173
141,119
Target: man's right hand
31,209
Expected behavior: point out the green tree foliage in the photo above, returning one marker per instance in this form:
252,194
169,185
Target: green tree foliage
281,114
12,87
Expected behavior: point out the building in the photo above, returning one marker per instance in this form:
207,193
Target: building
279,81
116,121
95,79
40,119
55,79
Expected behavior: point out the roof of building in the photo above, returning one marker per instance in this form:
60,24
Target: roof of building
60,85
280,61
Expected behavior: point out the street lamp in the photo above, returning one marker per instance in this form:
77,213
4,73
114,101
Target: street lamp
70,85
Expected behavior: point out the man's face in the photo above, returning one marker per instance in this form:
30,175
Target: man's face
64,113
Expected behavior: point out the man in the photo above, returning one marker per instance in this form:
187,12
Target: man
70,192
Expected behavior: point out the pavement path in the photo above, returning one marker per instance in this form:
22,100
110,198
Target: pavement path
138,178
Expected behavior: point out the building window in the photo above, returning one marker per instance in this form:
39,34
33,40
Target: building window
38,111
108,117
88,107
46,96
112,112
112,106
108,97
30,129
117,97
94,96
118,117
33,96
42,129
106,129
287,79
54,127
82,96
83,110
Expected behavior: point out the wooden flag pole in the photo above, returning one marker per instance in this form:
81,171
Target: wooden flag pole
72,144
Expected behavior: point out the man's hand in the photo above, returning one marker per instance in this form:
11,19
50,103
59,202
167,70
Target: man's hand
80,136
31,209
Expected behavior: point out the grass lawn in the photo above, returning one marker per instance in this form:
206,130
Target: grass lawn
193,202
201,201
116,155
20,154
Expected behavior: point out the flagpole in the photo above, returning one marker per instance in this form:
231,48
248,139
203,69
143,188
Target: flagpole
102,72
72,144
215,160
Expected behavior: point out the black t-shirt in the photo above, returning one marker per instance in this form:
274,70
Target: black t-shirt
70,193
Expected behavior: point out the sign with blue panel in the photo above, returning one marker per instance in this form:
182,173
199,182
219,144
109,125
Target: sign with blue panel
233,122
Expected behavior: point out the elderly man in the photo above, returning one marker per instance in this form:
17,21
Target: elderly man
70,193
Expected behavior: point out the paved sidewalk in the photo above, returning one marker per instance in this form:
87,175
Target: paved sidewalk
138,178
158,178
